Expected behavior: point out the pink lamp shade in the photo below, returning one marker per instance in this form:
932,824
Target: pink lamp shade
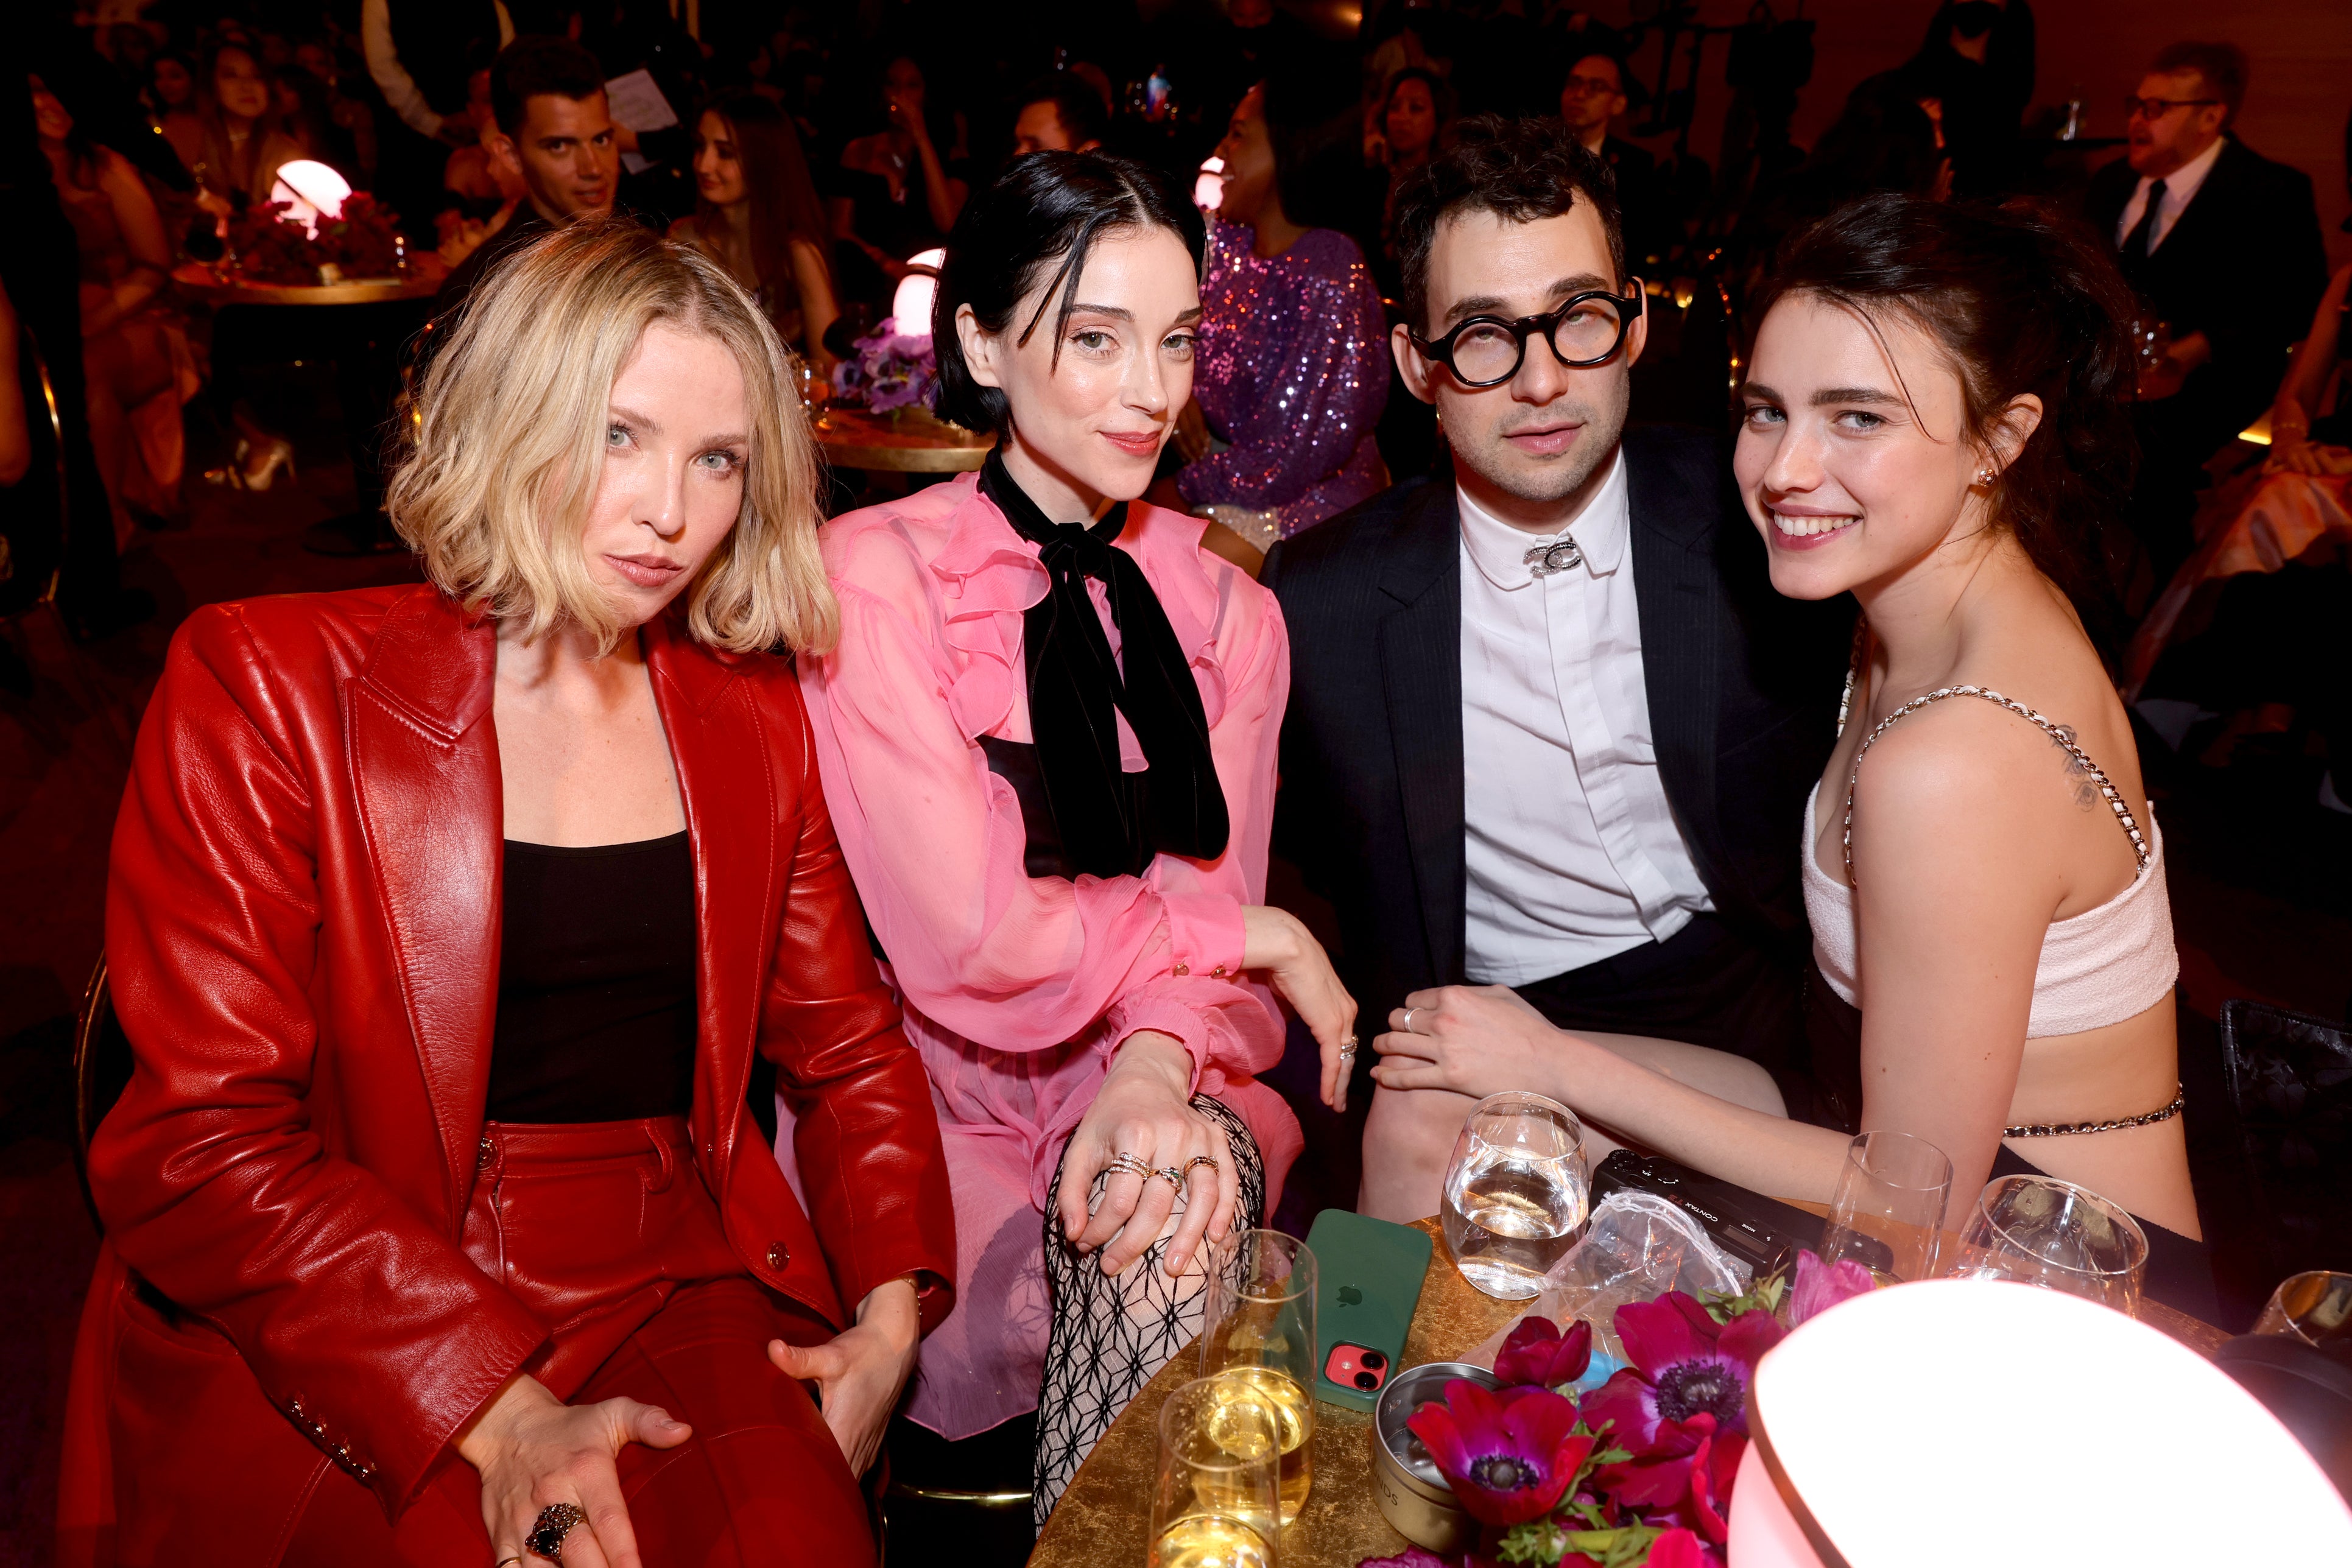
911,304
1209,188
312,189
1965,1421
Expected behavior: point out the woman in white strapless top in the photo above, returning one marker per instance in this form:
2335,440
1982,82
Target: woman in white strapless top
1936,421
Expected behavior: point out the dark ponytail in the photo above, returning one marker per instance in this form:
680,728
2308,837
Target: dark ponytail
1035,226
2021,301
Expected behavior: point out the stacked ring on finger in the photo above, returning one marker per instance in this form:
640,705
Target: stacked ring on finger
1128,1165
554,1522
1346,1046
1172,1175
1200,1160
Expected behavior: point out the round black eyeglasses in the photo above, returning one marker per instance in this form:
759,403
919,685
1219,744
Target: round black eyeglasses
1487,351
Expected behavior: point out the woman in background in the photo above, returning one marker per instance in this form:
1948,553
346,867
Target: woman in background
898,192
1062,849
1414,114
1294,359
136,367
757,215
246,140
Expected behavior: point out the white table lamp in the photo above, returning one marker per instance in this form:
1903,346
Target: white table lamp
911,304
312,189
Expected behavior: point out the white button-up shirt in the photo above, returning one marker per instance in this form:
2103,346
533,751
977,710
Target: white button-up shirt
1572,847
2180,188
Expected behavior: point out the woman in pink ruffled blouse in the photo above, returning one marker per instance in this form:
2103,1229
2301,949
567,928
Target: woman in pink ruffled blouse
1048,739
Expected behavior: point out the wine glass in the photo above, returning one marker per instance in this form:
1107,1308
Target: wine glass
2042,1231
1261,1329
1215,1502
1888,1210
1517,1192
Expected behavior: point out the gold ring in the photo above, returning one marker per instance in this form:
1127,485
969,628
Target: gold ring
1172,1175
1128,1165
1200,1160
547,1532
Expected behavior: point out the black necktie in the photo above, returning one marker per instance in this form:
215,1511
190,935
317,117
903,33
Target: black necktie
2141,241
1108,827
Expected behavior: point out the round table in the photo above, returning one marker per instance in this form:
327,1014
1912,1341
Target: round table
1104,1517
856,438
422,281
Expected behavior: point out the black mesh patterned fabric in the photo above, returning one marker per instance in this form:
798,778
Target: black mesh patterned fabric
1112,1334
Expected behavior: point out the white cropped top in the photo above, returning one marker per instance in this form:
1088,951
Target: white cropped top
2096,969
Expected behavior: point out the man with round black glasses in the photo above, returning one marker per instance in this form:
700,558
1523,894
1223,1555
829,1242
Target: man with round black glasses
1549,725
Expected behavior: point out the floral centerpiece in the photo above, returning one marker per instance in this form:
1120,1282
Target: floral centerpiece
1637,1471
890,370
359,242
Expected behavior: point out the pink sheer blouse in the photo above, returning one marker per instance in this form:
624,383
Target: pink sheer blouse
1018,989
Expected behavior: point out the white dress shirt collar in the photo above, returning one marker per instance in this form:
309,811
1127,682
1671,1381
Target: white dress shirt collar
1500,549
2180,188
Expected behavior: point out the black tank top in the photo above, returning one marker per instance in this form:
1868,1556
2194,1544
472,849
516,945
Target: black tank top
596,1003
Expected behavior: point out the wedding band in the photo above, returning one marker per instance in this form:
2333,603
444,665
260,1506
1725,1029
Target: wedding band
1199,1160
504,1561
554,1522
1172,1175
1127,1165
1408,1018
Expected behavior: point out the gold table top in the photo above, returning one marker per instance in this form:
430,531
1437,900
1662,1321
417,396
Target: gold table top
1105,1516
422,280
855,438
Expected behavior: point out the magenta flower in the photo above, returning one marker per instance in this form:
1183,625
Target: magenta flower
1820,1286
1414,1557
1509,1456
1684,1366
1539,1353
1679,1549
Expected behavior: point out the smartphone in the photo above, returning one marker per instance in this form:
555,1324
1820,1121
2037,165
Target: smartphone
1369,1275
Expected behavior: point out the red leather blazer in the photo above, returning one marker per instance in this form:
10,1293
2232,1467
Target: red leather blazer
302,929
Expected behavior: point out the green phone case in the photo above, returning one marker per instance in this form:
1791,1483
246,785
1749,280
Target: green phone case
1368,1276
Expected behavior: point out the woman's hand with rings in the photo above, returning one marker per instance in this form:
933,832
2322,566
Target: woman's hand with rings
1295,966
1473,1039
1143,1129
533,1452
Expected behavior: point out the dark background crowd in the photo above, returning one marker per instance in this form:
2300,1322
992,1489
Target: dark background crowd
151,448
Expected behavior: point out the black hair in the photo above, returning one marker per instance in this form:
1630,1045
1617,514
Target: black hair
1317,127
1033,227
1075,104
1522,170
2020,301
1441,93
537,64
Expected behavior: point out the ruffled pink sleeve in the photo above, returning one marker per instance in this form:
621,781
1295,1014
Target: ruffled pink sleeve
927,660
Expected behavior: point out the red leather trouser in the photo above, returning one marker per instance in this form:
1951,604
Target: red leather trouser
606,1232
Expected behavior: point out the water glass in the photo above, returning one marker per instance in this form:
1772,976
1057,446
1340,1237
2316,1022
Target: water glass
1214,1502
1888,1210
2042,1231
1517,1192
2313,1307
1261,1329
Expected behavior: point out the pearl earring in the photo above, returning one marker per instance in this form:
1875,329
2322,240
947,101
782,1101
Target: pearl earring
1986,476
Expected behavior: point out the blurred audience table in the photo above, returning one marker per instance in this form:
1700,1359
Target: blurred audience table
855,438
1104,1517
422,281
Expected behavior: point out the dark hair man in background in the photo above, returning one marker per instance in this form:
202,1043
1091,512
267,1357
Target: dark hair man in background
1590,100
2223,248
1550,727
1059,113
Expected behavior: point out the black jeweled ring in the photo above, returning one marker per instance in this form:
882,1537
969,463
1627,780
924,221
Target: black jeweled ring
554,1522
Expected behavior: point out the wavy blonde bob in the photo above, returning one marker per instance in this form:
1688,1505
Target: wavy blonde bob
504,444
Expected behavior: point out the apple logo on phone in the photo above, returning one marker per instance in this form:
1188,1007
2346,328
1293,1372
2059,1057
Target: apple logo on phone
1350,1297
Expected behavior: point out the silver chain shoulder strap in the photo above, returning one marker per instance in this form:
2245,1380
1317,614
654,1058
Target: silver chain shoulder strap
2062,734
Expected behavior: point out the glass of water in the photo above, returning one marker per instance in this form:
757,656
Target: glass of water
2042,1231
1517,1193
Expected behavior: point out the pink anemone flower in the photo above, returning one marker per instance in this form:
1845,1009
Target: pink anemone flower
1509,1456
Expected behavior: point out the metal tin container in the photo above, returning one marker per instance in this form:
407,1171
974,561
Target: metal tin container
1413,1495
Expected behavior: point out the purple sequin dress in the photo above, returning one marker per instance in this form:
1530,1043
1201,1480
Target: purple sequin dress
1293,371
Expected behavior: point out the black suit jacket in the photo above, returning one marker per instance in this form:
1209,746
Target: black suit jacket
2245,265
1742,689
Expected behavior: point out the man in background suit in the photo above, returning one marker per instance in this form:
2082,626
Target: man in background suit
2223,248
1590,100
1550,727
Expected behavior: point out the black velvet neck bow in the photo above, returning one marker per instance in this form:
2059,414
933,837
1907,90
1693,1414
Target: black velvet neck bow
1111,822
